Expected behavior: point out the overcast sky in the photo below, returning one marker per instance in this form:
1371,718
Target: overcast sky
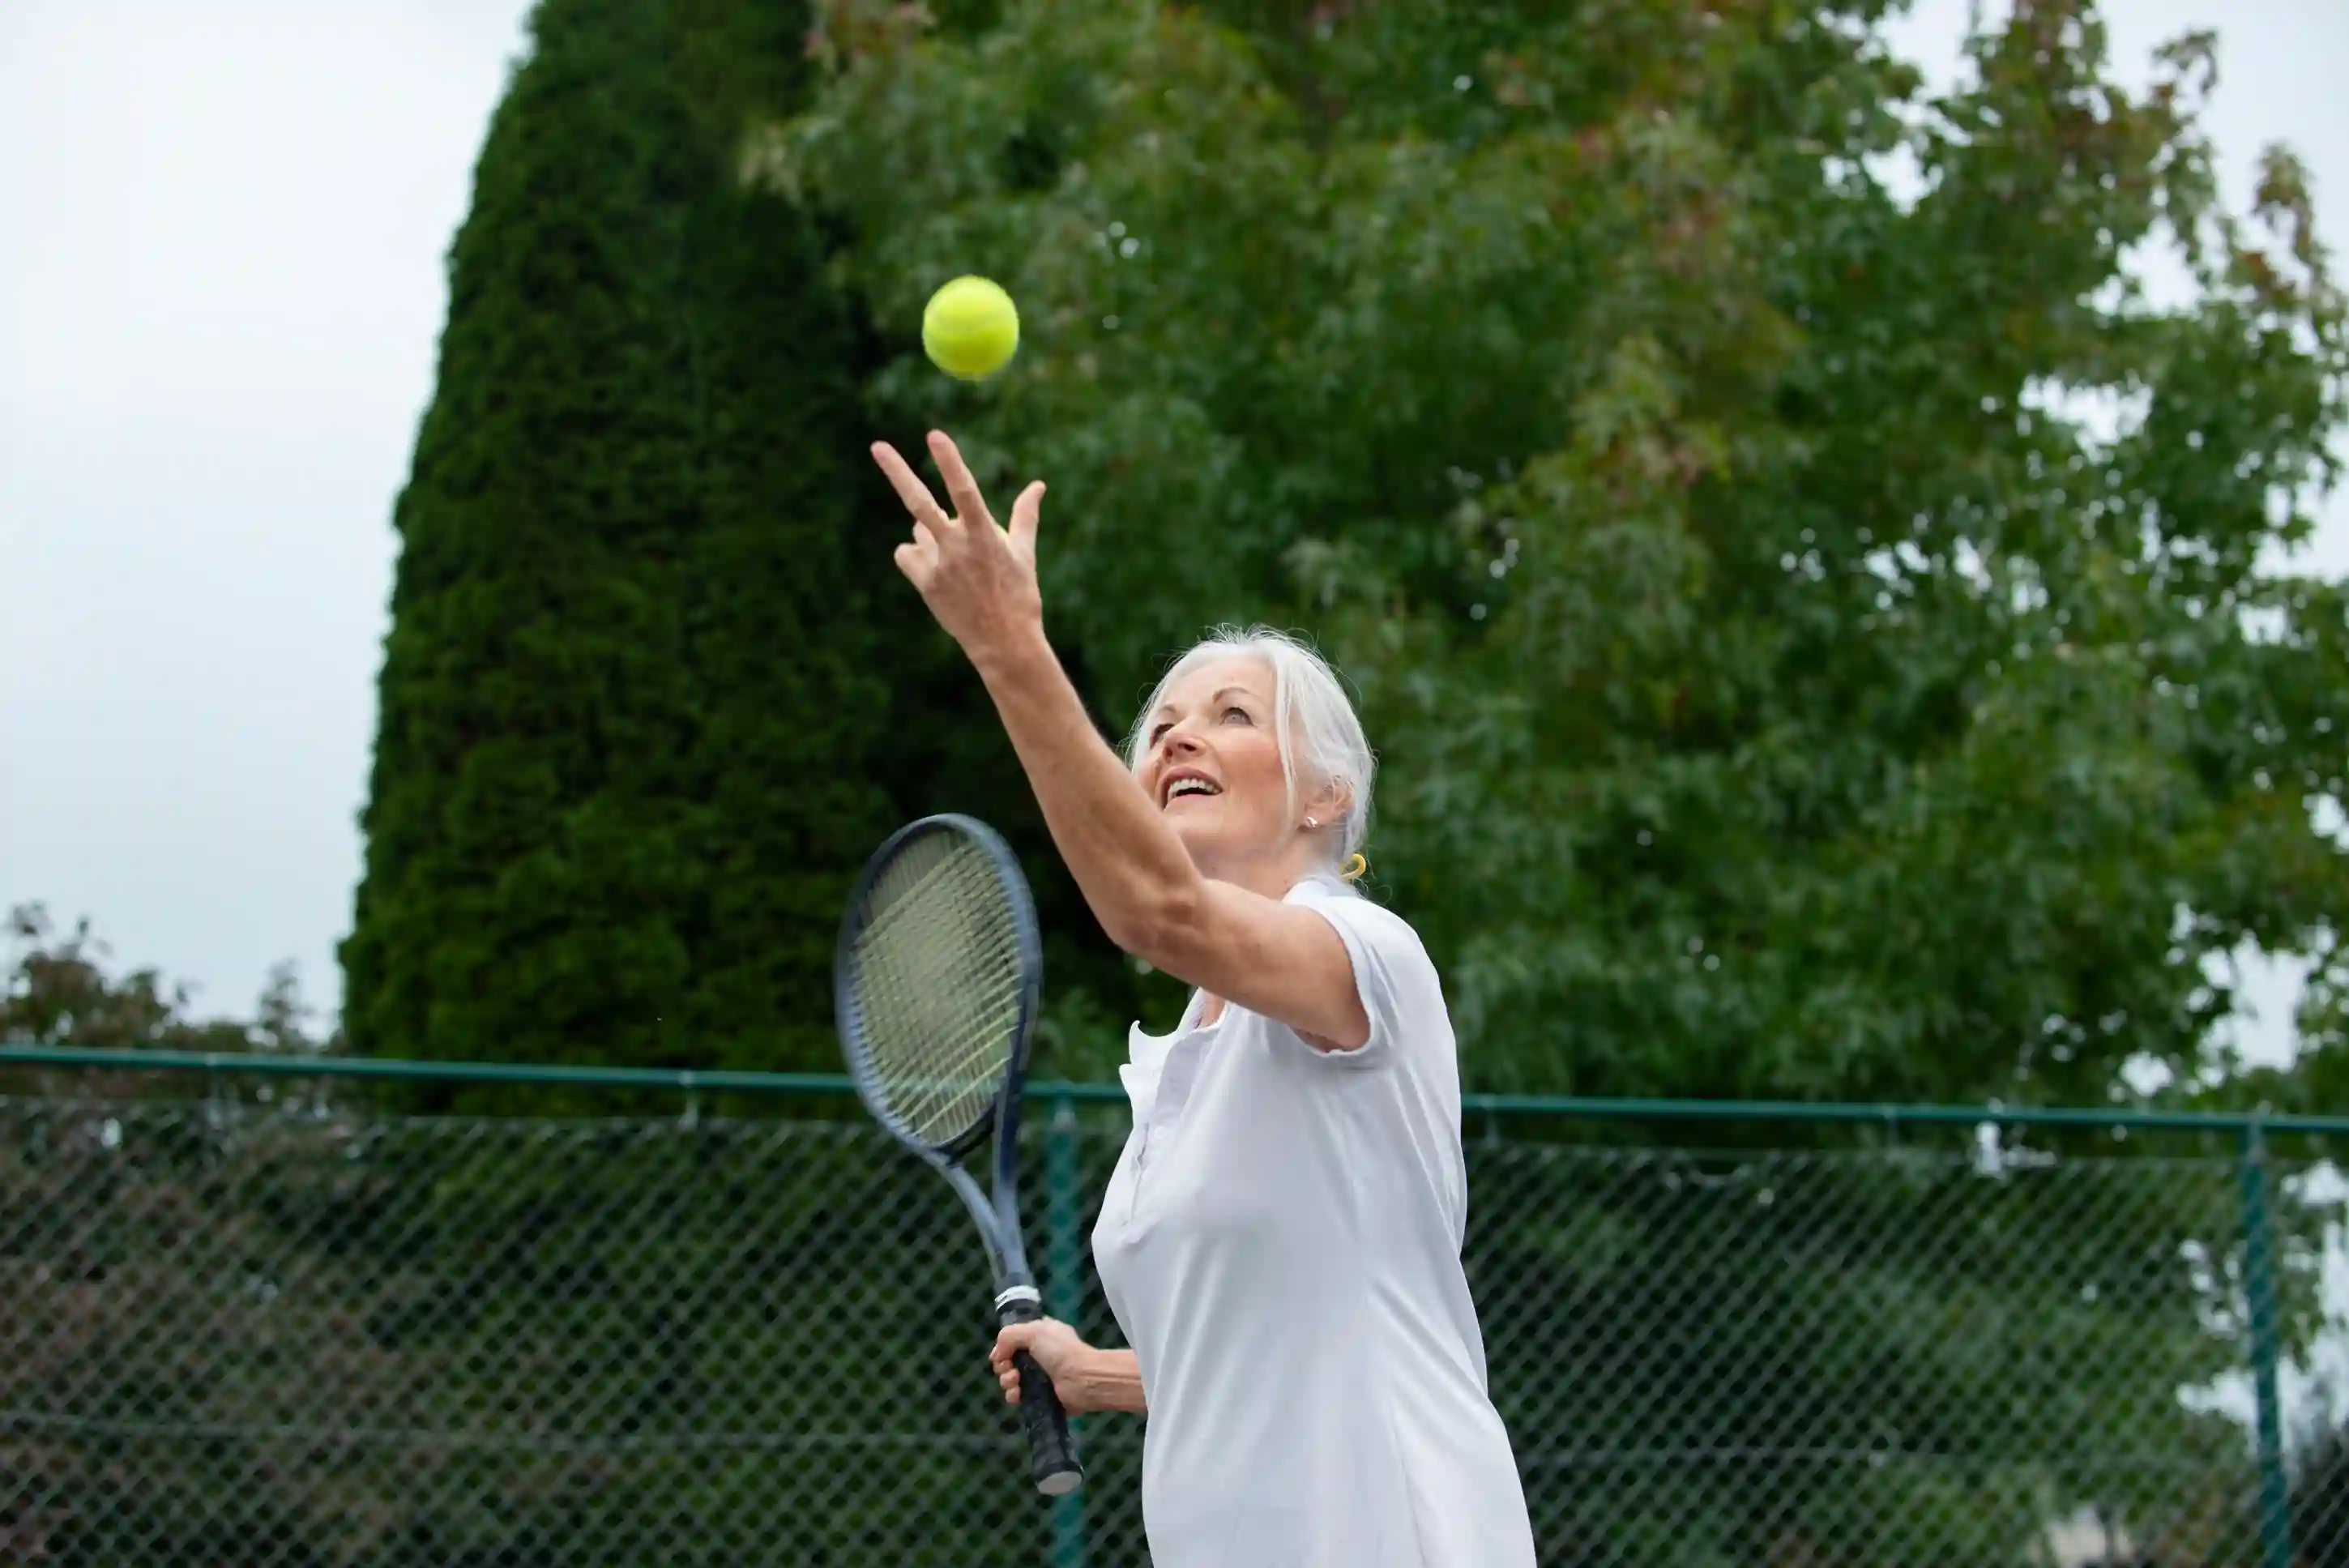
222,235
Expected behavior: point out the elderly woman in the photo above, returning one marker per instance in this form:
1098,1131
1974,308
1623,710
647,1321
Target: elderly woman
1280,1242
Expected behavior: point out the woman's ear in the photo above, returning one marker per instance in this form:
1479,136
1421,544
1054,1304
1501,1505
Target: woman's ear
1331,804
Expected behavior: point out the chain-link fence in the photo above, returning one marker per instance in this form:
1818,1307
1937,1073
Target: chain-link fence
274,1327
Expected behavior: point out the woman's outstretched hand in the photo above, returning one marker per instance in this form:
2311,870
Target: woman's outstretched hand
978,578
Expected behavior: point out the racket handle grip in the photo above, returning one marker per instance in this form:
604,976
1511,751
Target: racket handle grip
1052,1451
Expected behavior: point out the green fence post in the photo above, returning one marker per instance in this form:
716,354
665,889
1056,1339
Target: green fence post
1064,1256
2260,1286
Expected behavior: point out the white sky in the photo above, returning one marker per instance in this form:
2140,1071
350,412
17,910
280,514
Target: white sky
221,238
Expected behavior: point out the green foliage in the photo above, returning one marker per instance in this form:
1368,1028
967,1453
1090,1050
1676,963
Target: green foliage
1807,601
60,991
2320,1500
628,700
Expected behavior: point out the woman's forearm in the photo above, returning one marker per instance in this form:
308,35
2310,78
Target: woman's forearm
1126,861
1112,1380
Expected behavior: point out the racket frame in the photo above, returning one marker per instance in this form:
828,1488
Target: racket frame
996,1213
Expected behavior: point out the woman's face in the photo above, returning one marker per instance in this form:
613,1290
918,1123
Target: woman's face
1213,769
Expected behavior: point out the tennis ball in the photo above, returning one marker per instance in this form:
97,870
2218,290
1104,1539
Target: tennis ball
970,329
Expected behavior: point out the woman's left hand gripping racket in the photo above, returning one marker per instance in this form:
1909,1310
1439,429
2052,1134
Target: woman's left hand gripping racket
936,989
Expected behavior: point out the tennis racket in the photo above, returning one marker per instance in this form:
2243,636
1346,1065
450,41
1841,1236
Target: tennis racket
934,989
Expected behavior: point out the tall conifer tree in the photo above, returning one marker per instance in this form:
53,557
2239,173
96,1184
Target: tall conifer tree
627,703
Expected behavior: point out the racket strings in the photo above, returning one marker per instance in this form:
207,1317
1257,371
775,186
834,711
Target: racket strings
938,985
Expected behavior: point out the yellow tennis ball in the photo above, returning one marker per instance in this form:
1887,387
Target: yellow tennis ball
970,329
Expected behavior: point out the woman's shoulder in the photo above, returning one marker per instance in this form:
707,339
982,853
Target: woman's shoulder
1368,920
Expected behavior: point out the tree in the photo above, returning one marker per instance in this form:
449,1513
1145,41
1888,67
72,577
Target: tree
58,991
1786,685
628,698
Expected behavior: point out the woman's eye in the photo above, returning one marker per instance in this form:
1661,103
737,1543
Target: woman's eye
1157,731
1241,714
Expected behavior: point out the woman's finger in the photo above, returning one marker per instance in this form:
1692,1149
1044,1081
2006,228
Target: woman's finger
908,486
961,488
1023,518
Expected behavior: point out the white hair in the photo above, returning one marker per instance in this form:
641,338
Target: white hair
1320,735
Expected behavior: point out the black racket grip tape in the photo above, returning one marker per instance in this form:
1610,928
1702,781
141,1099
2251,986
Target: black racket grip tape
1051,1450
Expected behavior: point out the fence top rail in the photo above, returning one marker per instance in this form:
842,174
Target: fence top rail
681,1081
